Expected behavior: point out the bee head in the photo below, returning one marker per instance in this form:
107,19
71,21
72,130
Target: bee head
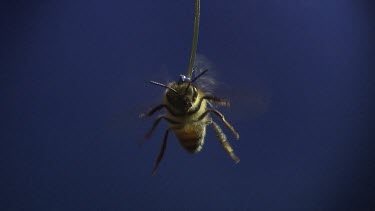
184,97
182,94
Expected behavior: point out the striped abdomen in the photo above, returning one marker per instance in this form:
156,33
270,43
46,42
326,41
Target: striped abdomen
191,136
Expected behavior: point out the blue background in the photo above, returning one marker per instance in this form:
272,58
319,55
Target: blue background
72,78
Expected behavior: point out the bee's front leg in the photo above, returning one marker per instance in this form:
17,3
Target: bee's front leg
155,124
152,111
157,108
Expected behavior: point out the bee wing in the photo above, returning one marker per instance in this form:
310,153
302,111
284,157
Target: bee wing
207,81
247,100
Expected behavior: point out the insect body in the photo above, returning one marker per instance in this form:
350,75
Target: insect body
188,115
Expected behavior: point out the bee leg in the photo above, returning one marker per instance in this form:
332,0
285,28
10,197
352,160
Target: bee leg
161,153
155,109
155,124
217,100
152,111
223,140
217,113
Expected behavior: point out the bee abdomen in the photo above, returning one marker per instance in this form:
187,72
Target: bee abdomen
191,140
192,145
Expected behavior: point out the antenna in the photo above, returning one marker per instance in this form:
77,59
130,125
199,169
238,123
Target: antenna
200,74
163,85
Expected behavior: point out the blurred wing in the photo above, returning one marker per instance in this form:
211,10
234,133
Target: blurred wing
207,81
247,100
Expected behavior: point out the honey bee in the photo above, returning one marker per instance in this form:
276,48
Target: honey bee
188,109
188,114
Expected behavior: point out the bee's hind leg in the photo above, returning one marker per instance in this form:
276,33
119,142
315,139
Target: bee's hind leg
161,153
223,140
221,116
